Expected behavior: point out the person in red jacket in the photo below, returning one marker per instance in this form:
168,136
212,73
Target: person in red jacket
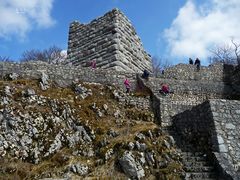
127,85
93,64
165,89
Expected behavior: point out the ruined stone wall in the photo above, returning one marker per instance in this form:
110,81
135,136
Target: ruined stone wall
214,126
216,72
65,75
111,40
187,94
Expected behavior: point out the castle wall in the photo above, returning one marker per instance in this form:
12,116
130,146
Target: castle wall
216,72
65,75
214,126
236,75
111,40
187,94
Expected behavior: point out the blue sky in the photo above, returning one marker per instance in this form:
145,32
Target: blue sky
172,29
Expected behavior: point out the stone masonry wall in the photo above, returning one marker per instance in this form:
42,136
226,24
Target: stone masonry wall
65,75
226,116
215,72
187,94
236,76
111,40
214,126
195,126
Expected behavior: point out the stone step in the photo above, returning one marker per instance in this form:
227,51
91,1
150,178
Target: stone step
200,175
195,163
194,158
198,168
199,154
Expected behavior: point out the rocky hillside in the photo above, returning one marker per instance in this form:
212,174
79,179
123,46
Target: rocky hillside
86,130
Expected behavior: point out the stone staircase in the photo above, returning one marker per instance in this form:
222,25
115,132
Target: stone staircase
197,166
196,163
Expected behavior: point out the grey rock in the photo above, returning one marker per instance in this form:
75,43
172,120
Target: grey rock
109,154
79,169
7,91
13,76
82,91
44,84
140,136
142,159
166,144
105,107
4,100
117,114
220,139
30,92
131,145
140,146
56,145
84,134
130,167
99,113
230,126
112,133
223,148
150,158
171,140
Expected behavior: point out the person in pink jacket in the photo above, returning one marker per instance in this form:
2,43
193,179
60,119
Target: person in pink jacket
127,85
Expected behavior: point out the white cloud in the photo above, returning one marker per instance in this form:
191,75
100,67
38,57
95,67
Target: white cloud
197,28
17,17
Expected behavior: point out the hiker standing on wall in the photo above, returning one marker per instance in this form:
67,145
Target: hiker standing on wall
190,61
127,85
197,63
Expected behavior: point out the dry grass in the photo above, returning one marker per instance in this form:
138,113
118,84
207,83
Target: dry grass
131,125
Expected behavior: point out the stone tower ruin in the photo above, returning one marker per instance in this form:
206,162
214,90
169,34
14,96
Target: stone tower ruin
111,41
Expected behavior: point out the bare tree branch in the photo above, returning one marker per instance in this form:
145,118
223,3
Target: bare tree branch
226,53
236,50
47,55
5,59
159,64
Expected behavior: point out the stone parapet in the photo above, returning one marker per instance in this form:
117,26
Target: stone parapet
216,72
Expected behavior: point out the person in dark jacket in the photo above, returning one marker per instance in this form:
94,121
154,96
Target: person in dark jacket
197,63
190,61
145,74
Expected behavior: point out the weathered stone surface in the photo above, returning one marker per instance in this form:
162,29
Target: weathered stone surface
79,169
13,76
130,167
213,126
112,45
44,84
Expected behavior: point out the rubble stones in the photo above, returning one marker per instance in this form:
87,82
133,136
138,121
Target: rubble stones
7,91
79,169
82,91
33,136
